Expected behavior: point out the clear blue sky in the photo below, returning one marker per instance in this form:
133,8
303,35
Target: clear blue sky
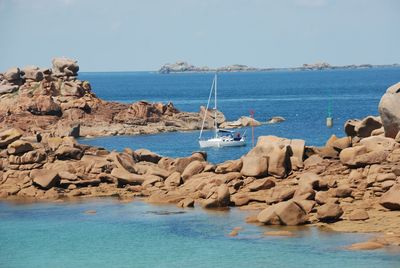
129,35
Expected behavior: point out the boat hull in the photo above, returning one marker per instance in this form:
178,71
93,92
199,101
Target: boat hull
216,142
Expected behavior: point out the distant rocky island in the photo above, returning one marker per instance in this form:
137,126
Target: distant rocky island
183,67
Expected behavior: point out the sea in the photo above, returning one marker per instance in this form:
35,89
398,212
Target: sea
138,234
303,98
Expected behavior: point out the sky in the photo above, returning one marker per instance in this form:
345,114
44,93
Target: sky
134,35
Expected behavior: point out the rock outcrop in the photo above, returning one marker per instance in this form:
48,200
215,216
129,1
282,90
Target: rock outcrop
274,156
389,110
58,98
244,121
371,150
316,190
362,128
275,119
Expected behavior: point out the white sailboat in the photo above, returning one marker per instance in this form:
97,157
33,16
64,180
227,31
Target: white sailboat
222,138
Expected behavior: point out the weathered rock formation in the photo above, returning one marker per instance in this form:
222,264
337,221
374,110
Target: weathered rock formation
277,176
243,121
33,99
363,128
390,111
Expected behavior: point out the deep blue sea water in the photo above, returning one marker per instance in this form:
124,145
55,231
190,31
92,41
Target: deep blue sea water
302,97
141,235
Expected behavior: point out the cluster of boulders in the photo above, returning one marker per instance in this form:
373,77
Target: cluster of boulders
34,98
387,124
291,183
349,179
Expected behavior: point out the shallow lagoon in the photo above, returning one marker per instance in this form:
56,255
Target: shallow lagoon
138,234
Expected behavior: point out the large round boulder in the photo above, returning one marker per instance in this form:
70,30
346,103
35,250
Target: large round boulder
33,73
65,66
389,110
284,213
219,197
329,212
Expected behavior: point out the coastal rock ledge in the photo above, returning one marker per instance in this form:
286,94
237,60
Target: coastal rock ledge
350,184
33,98
287,182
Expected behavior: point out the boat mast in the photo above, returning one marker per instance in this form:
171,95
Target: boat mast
215,106
208,105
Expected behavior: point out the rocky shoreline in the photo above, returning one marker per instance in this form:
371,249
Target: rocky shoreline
54,102
351,184
272,180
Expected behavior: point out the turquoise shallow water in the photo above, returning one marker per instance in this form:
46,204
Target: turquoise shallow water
141,235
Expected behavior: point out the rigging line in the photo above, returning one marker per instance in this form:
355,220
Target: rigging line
208,104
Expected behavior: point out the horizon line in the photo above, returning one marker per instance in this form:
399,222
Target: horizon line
258,69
